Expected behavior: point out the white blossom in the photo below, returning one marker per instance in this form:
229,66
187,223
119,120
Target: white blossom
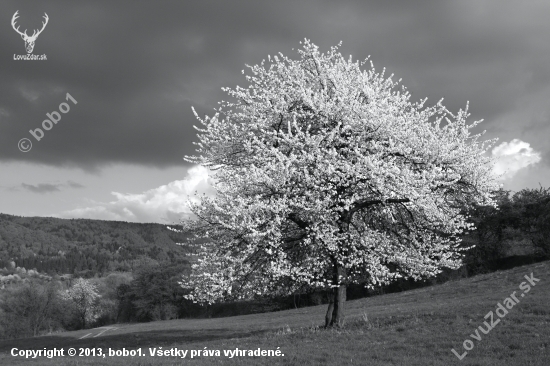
84,295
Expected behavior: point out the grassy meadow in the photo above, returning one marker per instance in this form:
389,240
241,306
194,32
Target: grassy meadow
418,327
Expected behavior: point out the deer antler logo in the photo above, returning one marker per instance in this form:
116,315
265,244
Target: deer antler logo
29,41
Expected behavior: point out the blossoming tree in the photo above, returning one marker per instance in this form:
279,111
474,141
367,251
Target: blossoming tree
83,295
327,175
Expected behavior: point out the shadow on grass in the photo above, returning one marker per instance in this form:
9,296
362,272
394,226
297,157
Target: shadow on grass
118,341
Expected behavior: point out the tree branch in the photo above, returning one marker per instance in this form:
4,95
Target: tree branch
367,203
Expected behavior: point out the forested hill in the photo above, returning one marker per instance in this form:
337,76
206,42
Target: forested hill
85,247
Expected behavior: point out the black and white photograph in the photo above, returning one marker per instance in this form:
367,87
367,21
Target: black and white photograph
305,182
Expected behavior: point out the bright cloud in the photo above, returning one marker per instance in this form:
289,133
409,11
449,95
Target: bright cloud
165,204
513,156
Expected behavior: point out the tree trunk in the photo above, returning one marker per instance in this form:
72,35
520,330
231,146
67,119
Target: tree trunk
335,313
339,299
328,317
83,319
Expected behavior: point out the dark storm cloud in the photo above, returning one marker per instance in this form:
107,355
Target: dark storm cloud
41,188
72,184
48,187
137,67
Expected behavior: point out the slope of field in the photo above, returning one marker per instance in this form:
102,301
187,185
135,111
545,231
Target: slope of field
418,327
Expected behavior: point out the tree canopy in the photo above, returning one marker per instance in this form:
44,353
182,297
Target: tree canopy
327,174
83,295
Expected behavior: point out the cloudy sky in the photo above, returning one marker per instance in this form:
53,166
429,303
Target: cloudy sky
135,68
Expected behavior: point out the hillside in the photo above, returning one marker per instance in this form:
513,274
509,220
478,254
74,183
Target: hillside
418,327
85,247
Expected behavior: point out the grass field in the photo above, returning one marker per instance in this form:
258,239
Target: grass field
418,327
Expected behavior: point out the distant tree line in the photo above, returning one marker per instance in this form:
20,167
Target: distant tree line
85,247
518,232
